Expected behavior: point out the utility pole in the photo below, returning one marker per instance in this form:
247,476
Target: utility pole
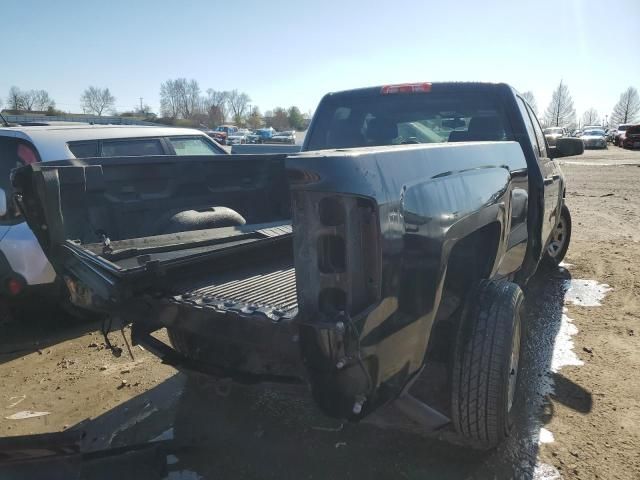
141,104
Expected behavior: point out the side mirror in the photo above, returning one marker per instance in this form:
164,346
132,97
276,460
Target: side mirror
567,147
3,202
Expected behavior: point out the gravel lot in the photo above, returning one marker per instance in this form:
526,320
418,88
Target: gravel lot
48,363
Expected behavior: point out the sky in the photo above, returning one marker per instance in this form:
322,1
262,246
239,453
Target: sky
285,53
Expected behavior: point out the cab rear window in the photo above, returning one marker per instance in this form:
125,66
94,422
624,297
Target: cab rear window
84,149
132,148
135,147
370,120
191,146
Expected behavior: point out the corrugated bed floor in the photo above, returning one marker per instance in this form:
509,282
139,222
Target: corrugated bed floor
272,286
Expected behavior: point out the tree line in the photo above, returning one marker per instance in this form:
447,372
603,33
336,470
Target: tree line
94,100
561,113
183,103
29,100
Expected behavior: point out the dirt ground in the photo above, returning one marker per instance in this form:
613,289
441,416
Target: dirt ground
53,365
603,441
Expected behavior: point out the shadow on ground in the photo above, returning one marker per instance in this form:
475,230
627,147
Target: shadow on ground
199,428
36,324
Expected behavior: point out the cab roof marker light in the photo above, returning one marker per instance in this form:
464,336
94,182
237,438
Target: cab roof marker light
424,87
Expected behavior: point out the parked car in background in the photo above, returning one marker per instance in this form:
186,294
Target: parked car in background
631,138
594,138
23,267
240,136
611,134
221,133
618,138
552,134
284,137
261,135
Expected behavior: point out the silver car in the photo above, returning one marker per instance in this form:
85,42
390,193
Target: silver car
594,138
284,137
238,138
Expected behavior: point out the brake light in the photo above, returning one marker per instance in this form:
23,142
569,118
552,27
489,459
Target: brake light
424,87
14,286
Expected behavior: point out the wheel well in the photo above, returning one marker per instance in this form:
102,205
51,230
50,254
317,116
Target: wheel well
471,259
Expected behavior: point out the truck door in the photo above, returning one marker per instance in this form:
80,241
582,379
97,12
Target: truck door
548,168
552,180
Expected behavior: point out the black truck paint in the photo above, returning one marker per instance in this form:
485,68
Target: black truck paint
347,262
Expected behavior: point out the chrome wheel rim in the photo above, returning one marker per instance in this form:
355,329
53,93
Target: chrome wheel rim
513,364
558,238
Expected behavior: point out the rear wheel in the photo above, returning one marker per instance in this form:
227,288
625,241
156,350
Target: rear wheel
486,361
560,239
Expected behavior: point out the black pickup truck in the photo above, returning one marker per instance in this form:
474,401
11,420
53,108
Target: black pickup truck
404,229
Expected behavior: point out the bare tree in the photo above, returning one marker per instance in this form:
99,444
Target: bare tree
627,108
180,98
560,112
189,92
42,101
216,104
531,100
97,100
238,103
590,117
169,99
28,100
15,100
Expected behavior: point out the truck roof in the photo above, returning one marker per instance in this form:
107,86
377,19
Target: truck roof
434,85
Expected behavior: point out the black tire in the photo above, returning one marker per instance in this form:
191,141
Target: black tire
555,253
481,404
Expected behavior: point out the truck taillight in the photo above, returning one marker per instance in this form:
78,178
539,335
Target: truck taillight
424,87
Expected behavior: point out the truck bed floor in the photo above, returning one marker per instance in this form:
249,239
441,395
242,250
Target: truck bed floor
270,288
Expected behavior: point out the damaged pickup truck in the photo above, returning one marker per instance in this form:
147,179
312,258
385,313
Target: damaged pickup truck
401,234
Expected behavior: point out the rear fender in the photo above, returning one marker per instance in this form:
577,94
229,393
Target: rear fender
359,358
